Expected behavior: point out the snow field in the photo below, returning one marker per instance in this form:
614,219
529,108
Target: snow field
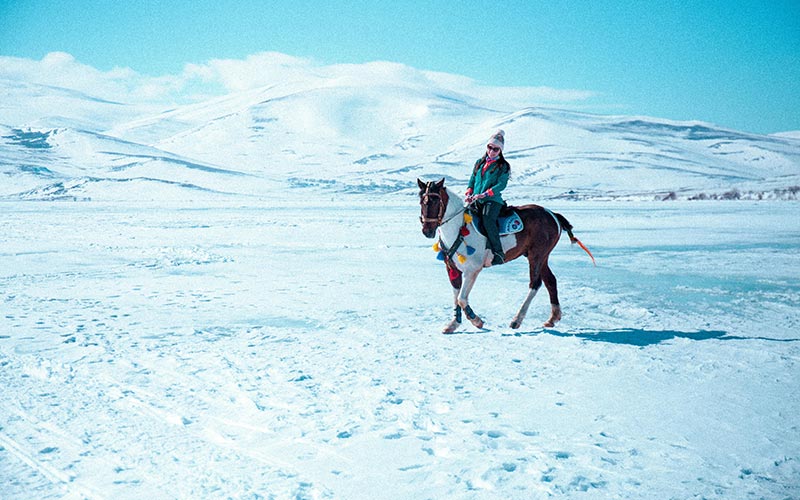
193,351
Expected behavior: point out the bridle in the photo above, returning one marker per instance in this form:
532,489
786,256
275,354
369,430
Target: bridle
443,199
429,197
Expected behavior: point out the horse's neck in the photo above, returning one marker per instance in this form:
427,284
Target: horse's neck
450,228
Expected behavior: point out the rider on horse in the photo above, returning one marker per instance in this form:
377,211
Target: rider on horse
489,177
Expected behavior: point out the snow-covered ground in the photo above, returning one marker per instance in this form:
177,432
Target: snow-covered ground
255,350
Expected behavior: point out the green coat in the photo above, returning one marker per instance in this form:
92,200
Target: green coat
495,178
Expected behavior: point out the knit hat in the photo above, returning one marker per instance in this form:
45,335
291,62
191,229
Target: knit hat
497,139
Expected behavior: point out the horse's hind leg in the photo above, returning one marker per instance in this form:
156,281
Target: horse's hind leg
552,288
536,282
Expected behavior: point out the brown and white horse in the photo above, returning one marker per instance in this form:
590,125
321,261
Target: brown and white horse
465,252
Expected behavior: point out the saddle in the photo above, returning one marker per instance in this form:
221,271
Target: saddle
508,222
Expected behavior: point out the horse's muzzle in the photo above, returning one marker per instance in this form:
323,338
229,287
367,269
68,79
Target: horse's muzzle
428,229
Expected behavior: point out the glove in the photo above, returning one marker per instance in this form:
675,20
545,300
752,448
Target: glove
470,199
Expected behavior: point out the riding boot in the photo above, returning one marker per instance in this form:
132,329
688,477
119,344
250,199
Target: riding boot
490,212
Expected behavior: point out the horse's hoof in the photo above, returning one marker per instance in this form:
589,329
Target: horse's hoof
515,324
477,322
451,327
549,324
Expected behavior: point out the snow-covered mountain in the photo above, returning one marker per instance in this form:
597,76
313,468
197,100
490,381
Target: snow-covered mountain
39,106
79,164
365,131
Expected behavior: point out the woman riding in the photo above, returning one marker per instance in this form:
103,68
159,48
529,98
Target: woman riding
489,178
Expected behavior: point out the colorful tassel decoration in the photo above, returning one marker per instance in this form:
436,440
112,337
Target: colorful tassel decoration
461,258
453,273
470,250
464,231
436,247
440,256
467,218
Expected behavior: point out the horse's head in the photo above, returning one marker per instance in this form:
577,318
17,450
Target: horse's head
433,203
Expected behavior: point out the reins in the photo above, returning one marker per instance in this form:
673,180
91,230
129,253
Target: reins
458,212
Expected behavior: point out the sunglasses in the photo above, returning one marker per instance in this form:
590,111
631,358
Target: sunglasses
492,148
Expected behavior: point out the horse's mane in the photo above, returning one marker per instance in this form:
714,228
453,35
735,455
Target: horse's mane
452,194
454,197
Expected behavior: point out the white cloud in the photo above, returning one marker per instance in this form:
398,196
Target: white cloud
219,76
59,69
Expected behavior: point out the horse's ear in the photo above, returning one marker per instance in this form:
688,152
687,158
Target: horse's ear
422,185
440,184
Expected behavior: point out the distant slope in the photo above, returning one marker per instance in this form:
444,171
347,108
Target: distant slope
25,104
77,164
380,137
358,132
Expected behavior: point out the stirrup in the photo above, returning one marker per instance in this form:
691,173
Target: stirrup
498,259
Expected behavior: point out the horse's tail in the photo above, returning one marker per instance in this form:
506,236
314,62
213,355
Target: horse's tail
566,226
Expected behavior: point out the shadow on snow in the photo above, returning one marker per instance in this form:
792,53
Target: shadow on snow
642,338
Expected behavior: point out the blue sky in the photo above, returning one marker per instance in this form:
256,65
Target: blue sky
732,63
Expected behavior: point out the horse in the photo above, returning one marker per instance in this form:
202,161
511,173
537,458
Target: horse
466,254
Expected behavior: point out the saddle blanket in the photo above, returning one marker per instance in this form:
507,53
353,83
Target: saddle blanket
507,224
510,224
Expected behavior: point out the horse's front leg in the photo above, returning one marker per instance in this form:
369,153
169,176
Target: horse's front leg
456,281
456,321
463,297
